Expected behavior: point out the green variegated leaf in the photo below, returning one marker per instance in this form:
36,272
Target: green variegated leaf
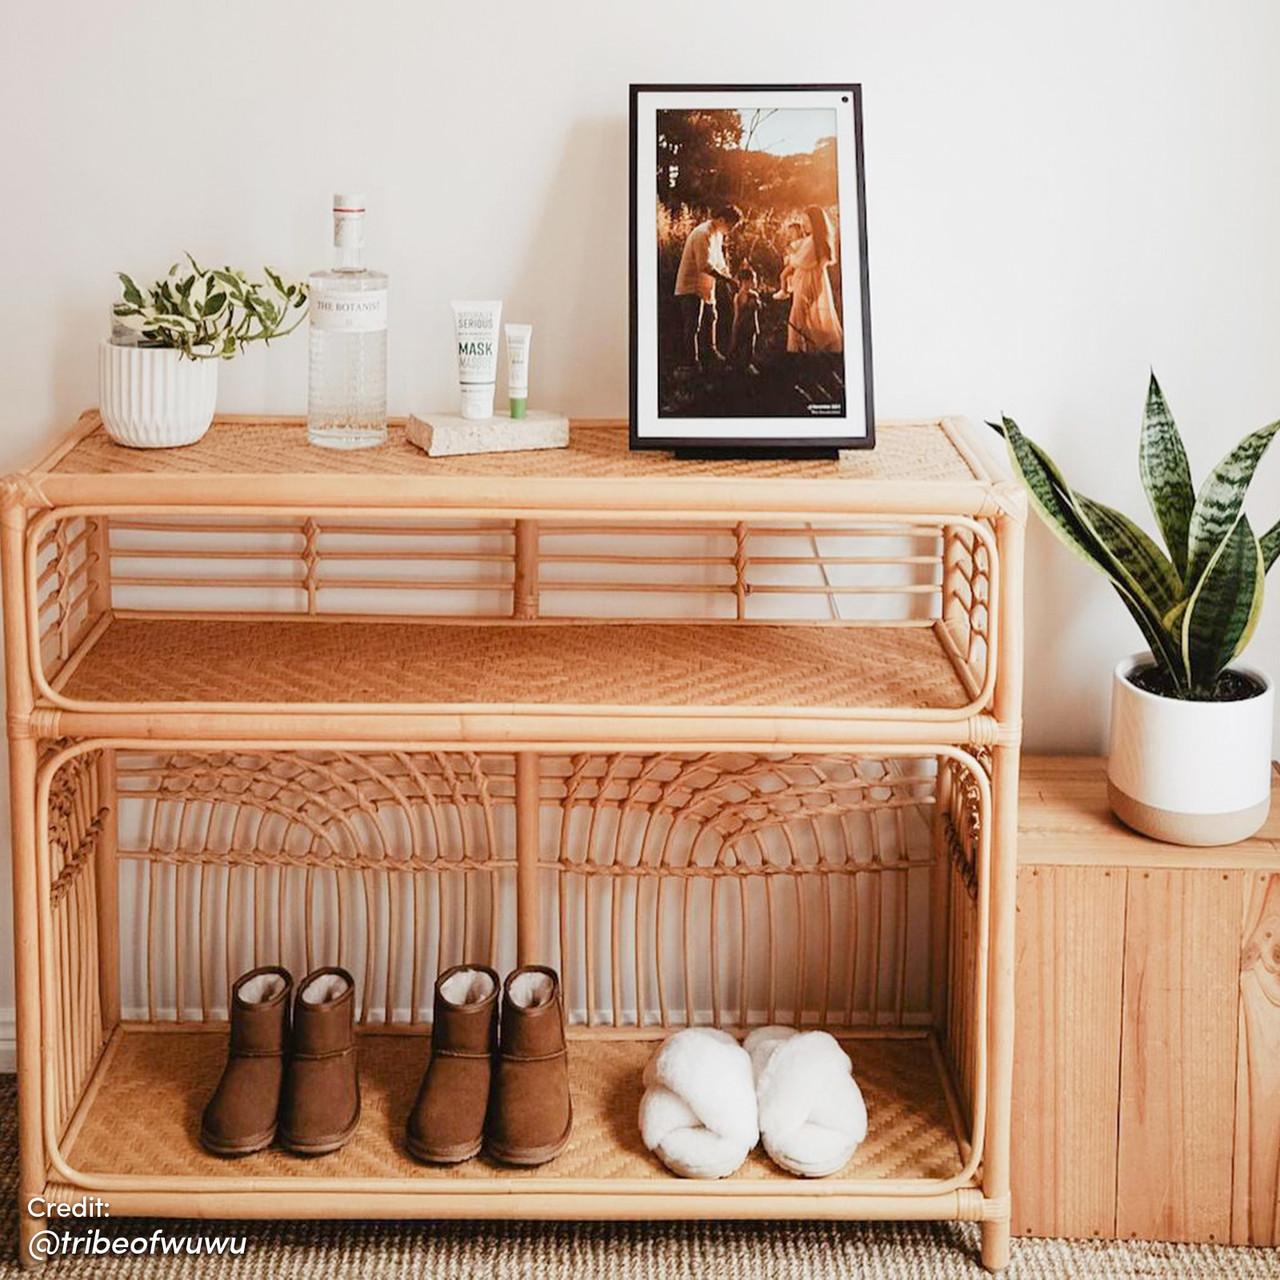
1064,514
1162,640
1172,620
1220,499
1223,611
1118,547
1270,543
179,324
207,314
1046,496
1151,574
1166,475
132,294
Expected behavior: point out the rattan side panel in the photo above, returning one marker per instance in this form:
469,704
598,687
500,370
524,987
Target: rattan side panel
69,588
74,1024
961,837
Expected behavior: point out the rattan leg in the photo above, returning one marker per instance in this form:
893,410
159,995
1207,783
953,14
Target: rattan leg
108,890
940,902
995,1244
995,1181
26,948
22,781
528,813
1004,887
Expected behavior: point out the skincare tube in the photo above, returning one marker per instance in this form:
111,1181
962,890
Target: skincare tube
518,338
476,327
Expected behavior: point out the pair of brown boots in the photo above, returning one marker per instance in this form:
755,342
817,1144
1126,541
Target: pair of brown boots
497,1082
292,1077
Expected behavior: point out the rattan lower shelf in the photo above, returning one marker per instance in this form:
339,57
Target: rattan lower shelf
225,661
143,1106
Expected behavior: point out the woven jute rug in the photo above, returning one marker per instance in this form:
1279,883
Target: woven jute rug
613,1251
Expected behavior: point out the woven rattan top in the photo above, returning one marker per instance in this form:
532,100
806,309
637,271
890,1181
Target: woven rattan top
219,661
919,466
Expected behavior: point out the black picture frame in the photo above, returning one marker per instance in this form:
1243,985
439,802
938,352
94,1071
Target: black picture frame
818,443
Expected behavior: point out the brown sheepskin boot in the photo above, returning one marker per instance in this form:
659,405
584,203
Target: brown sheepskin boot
446,1124
530,1115
321,1104
241,1116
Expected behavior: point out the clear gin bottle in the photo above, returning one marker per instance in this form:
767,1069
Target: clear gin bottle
347,388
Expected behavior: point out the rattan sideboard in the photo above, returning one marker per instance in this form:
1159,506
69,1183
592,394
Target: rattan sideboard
726,742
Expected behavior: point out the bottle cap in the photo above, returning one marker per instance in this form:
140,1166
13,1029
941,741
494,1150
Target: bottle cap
477,400
518,406
348,221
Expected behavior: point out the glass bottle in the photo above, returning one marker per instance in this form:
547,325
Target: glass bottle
347,346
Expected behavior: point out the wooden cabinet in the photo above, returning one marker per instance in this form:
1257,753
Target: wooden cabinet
1147,1049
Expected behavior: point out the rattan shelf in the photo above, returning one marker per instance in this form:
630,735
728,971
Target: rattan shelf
725,742
141,1118
915,467
705,670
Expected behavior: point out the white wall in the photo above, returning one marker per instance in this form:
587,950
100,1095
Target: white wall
1059,196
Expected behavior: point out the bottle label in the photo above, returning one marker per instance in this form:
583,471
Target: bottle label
349,312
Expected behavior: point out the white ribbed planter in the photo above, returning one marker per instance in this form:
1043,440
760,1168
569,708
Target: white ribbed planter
153,397
1195,773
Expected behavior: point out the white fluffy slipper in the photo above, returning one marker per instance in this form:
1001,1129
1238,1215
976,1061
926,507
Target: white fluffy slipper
698,1113
812,1116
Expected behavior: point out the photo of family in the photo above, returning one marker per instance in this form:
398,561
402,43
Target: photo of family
750,327
749,280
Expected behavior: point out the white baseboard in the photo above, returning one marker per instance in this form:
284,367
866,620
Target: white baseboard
8,1041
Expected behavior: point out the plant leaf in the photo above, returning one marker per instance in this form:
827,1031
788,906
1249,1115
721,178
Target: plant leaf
1270,543
1223,611
1220,499
1166,475
1118,546
1135,554
1161,640
132,294
1046,496
1062,511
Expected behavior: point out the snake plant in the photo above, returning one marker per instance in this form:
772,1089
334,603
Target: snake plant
1196,606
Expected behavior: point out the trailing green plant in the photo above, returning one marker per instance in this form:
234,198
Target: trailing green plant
1198,605
210,314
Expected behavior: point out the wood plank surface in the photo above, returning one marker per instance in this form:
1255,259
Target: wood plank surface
1067,1050
1064,820
1255,1208
1178,1055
